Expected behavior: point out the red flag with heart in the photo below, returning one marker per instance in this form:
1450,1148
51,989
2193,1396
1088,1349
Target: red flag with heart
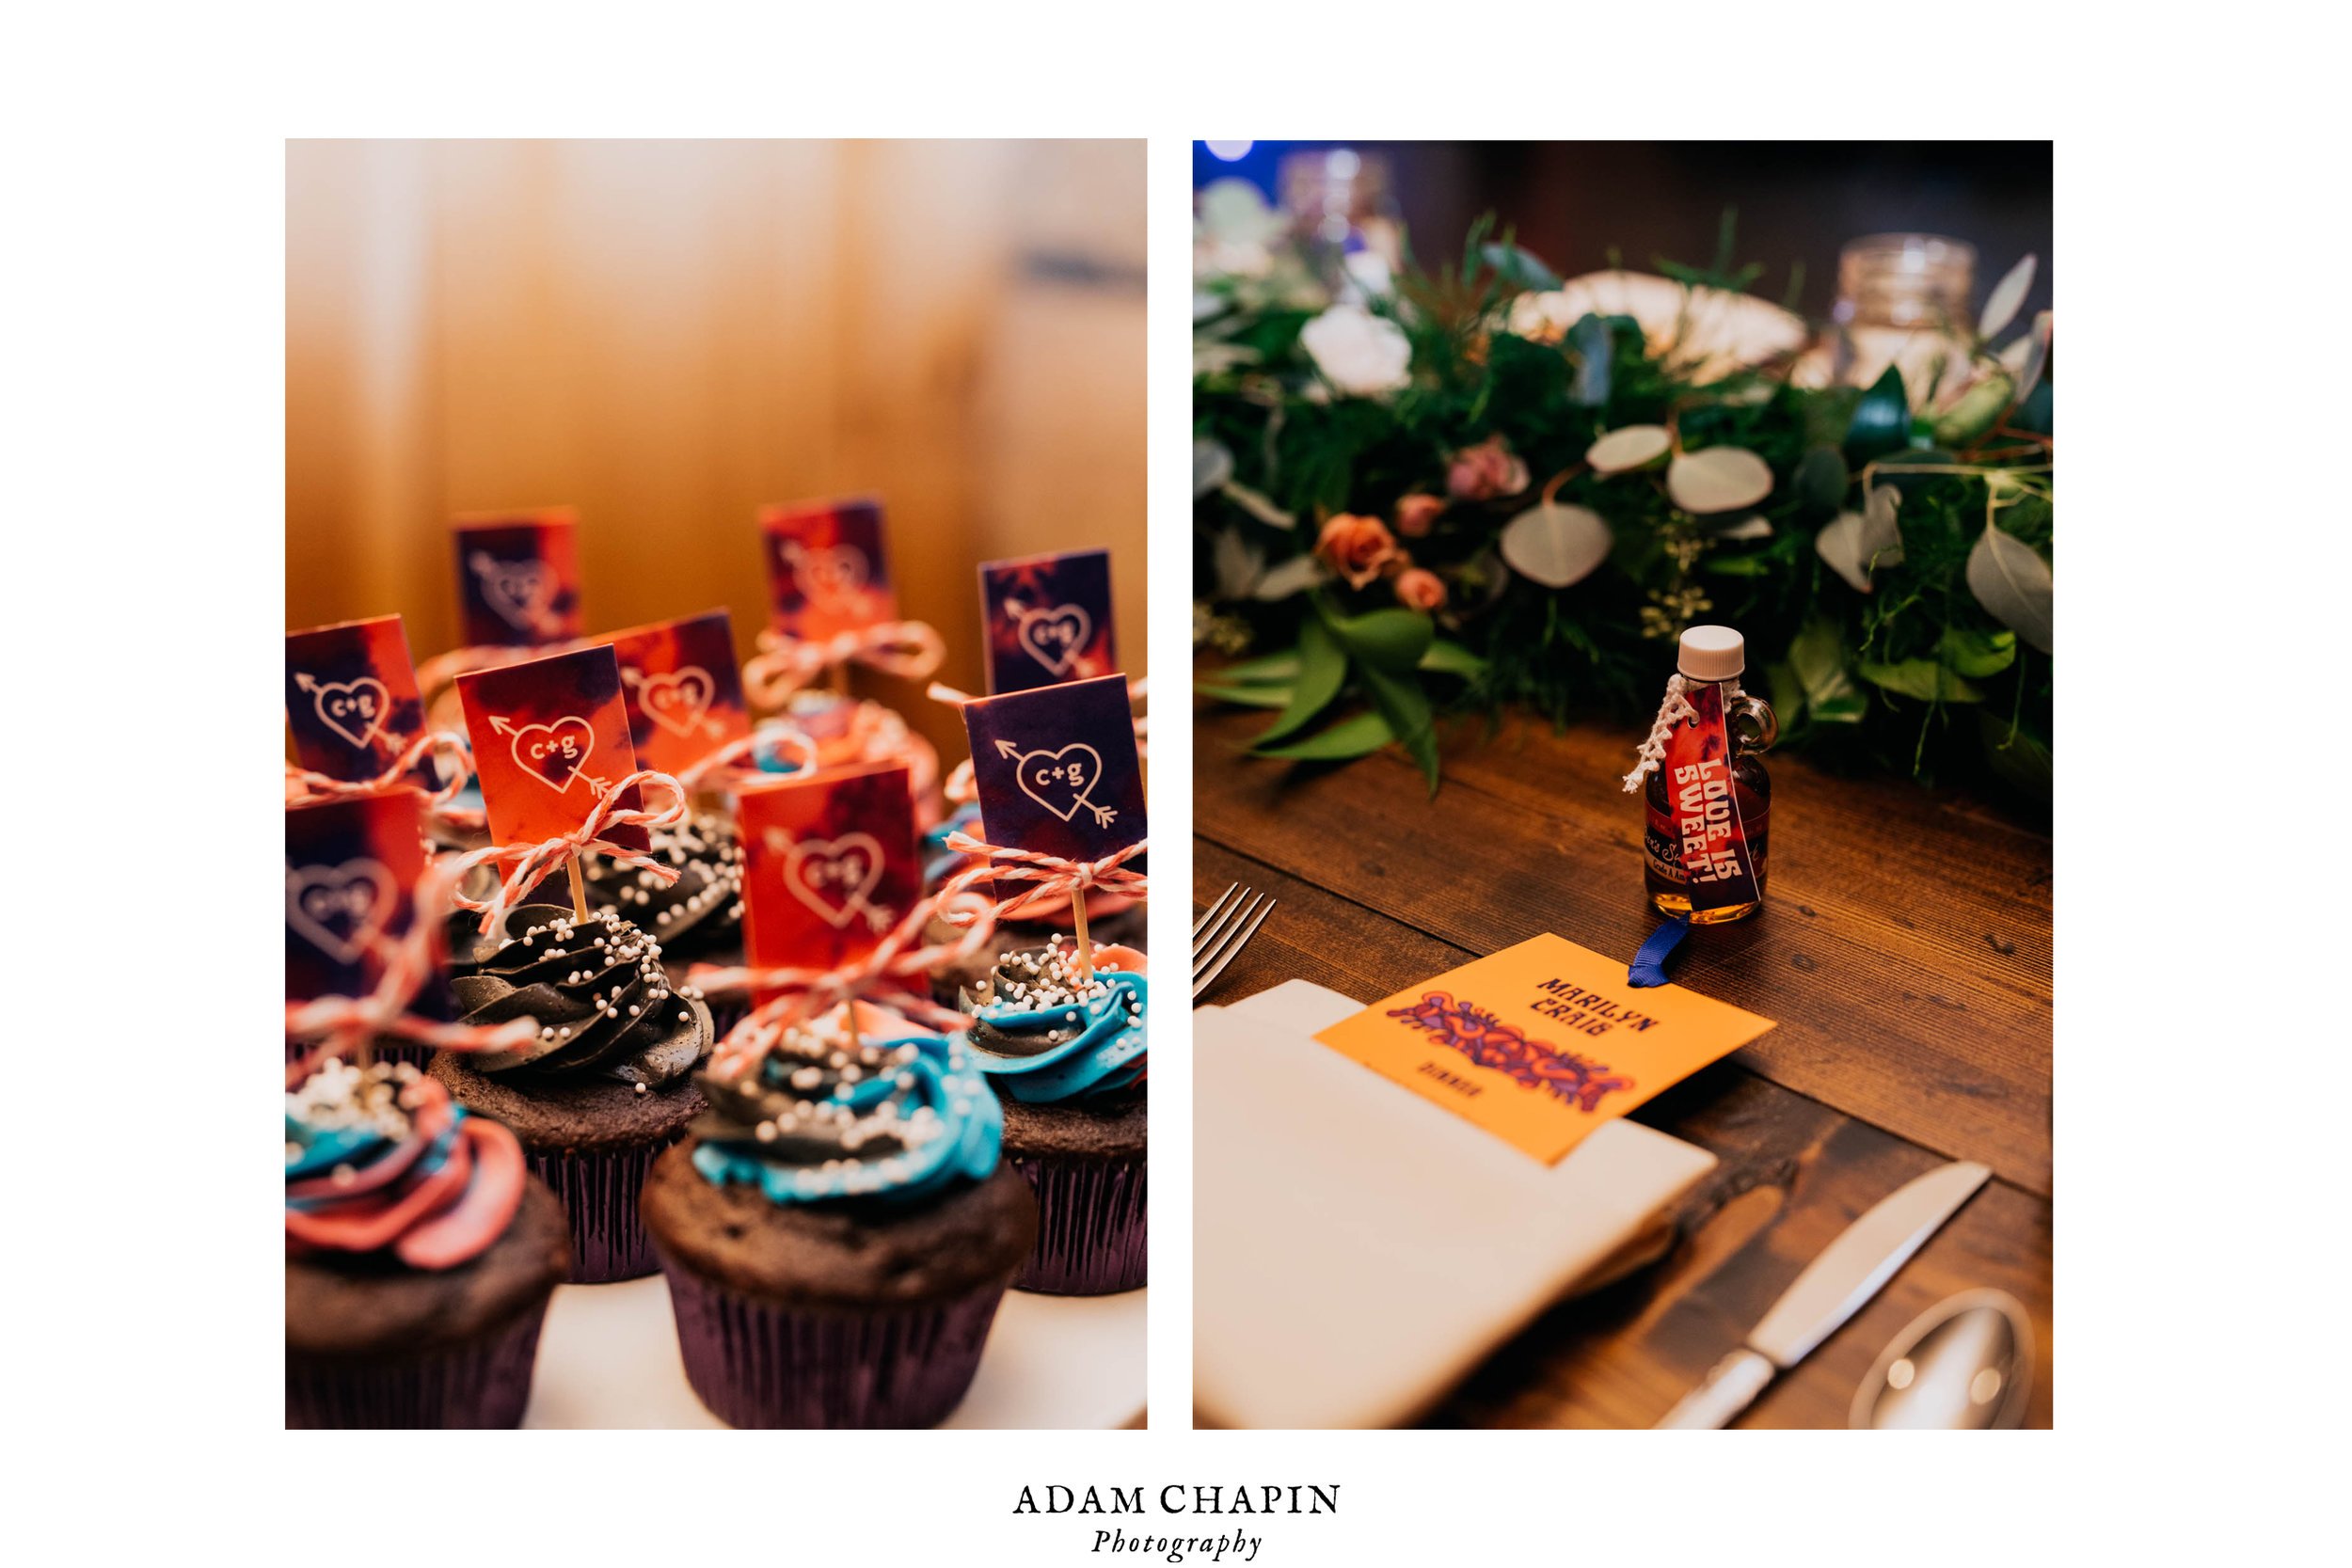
518,578
828,572
550,739
831,866
1048,618
351,867
684,695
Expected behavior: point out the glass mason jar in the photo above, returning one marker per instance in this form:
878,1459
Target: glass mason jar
1902,300
1342,207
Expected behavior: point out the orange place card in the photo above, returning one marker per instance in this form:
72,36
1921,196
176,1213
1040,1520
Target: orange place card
830,865
518,578
827,570
351,697
547,735
685,695
1542,1042
351,866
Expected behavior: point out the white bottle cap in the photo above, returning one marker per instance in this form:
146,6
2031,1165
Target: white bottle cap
1713,654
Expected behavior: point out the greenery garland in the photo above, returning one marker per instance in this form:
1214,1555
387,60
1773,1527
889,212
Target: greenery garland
1404,507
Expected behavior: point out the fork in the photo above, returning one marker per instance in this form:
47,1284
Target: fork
1224,931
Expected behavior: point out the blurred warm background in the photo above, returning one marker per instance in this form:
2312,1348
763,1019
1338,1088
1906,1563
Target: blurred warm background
666,335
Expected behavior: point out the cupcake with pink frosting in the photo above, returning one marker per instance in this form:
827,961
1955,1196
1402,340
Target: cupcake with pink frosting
420,1255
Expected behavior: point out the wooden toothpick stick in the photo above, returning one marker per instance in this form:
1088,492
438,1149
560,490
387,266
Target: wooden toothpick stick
579,899
1078,920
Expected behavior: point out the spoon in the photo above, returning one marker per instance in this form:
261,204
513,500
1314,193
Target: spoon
1965,1363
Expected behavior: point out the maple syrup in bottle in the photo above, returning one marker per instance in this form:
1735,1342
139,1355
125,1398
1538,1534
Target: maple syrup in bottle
1713,657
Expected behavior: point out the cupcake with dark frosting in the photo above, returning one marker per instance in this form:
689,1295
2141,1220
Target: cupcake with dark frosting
837,1228
1065,1050
608,1084
419,1256
698,918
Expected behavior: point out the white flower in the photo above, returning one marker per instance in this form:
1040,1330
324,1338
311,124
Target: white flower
1361,353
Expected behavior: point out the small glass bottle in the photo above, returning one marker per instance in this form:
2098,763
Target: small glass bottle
1712,657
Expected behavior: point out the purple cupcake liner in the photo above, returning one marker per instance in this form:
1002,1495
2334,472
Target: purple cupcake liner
483,1384
389,1048
600,1191
758,1365
1091,1227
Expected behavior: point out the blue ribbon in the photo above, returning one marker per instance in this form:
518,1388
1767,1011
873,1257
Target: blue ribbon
1649,964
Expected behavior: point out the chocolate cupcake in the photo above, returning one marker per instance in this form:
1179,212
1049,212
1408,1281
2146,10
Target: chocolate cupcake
837,1230
1113,921
698,918
419,1256
1065,1052
607,1085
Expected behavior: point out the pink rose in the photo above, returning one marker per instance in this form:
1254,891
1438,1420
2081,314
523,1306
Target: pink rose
1417,589
1486,470
1357,548
1417,514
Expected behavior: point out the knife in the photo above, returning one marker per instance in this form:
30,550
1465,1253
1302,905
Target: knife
1850,1271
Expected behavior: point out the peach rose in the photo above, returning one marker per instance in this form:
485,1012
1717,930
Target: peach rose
1486,470
1357,548
1417,514
1418,589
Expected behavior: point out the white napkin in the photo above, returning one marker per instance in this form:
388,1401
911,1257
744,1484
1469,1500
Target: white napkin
1358,1249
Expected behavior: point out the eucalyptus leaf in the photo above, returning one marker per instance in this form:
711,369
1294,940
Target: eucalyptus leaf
1295,575
1452,658
1358,735
1816,658
1634,446
1258,506
1853,544
1595,347
1977,654
1322,670
1977,410
1518,267
2007,298
1882,420
1819,483
2015,584
1924,678
1387,639
1212,465
1721,479
1748,528
1238,564
1556,544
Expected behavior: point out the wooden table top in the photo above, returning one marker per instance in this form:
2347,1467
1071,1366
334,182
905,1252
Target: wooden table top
1904,953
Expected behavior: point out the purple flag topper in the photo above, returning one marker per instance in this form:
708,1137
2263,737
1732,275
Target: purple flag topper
1049,619
1056,771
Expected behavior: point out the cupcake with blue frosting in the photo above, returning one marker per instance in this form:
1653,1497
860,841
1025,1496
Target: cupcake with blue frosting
1064,1048
837,1228
420,1255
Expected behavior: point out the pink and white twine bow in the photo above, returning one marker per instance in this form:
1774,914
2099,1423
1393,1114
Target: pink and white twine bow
741,757
344,1024
526,865
895,975
1056,879
783,665
454,764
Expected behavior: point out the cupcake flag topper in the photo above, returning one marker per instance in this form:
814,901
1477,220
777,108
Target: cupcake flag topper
1048,618
559,774
359,942
358,719
829,584
685,700
1060,789
518,578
